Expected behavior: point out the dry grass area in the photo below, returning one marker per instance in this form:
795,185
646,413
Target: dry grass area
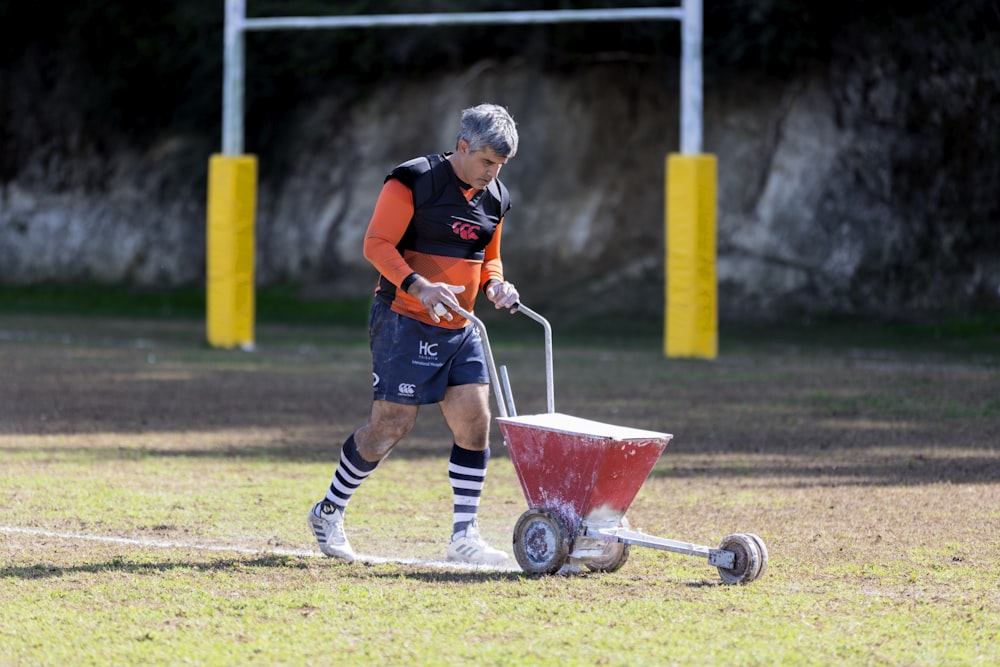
872,474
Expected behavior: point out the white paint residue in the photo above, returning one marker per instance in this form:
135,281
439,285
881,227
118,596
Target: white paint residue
605,514
161,544
561,506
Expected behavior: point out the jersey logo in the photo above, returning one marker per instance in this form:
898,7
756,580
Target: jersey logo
406,389
467,230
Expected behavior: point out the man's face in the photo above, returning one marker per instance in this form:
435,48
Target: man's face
477,168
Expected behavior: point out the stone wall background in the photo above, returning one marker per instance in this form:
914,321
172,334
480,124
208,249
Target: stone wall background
864,184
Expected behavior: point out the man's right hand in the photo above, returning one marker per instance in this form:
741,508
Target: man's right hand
438,298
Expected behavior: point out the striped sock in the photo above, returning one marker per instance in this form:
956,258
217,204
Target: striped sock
351,471
467,473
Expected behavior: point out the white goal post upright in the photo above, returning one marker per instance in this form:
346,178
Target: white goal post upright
691,291
232,175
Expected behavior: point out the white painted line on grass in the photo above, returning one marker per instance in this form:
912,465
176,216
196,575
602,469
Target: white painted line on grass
164,544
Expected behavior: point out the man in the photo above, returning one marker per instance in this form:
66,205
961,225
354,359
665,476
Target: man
435,239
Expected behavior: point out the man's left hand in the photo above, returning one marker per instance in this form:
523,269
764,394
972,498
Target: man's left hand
503,295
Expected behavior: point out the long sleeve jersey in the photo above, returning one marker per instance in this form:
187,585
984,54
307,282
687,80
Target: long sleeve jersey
428,221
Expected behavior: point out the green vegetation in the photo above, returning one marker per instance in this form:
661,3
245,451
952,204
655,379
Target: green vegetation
273,304
969,334
973,333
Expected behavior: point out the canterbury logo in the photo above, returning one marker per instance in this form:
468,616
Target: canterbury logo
406,389
467,230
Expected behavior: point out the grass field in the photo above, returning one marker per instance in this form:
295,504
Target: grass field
153,494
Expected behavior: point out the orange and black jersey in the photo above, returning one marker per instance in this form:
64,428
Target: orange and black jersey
428,221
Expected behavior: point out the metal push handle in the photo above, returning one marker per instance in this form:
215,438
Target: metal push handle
502,390
550,402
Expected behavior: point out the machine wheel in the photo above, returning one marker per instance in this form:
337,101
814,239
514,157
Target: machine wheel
763,554
541,542
748,559
611,560
614,556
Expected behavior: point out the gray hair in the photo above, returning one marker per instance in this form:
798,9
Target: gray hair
489,125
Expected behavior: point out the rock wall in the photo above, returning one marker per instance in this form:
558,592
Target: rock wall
811,217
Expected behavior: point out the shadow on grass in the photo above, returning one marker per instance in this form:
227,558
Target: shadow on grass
906,470
46,570
475,577
413,573
452,577
122,565
833,467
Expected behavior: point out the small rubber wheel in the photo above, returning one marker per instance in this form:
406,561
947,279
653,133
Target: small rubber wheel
615,555
747,563
541,542
763,554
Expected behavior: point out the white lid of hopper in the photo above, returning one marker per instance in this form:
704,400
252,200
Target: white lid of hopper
555,421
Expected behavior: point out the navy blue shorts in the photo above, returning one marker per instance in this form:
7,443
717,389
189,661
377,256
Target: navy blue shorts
415,363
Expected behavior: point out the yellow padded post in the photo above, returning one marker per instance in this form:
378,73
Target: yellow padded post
691,292
232,195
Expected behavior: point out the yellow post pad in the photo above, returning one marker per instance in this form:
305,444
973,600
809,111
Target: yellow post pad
232,202
691,292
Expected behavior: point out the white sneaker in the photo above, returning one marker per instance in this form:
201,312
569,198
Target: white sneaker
468,546
327,524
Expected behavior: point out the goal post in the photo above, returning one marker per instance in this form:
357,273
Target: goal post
232,175
690,205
